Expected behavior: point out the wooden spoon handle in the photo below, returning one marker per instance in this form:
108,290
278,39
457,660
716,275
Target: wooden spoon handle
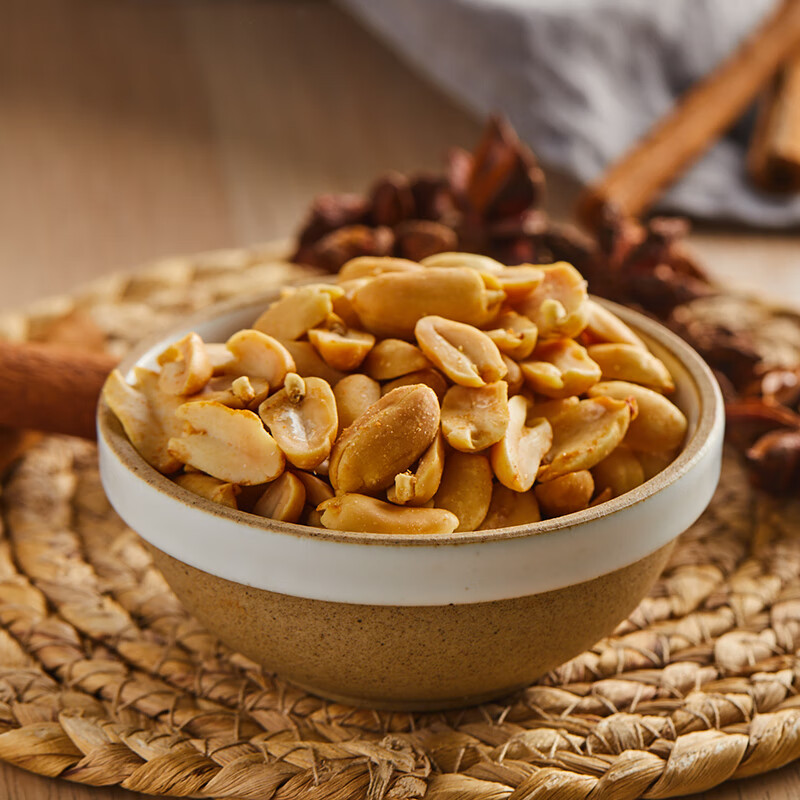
50,388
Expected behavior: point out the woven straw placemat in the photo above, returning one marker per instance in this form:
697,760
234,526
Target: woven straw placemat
105,679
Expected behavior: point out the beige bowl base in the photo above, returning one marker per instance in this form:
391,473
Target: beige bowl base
426,657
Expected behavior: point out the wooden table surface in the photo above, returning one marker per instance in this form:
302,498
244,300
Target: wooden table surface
131,130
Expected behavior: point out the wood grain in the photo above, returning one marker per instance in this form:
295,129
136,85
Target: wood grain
130,130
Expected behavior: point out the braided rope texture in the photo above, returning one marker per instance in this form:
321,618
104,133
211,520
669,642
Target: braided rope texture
106,680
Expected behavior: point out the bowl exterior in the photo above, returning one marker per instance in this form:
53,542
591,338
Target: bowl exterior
412,657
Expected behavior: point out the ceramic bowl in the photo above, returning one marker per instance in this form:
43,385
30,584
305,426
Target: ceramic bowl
416,622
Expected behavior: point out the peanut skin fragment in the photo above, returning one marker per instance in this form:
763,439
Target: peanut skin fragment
354,395
229,444
475,418
558,305
465,489
358,512
628,362
465,354
211,488
584,434
147,416
392,303
565,494
185,366
297,310
509,508
660,424
385,441
284,499
516,457
303,419
417,488
259,356
392,358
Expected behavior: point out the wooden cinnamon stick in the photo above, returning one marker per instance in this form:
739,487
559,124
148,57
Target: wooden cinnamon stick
773,159
700,118
51,388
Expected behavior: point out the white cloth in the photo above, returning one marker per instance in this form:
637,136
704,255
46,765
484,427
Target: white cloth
582,80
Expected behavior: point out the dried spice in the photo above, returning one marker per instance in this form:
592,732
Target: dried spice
490,202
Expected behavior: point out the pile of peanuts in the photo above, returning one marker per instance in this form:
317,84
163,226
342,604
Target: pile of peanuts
455,394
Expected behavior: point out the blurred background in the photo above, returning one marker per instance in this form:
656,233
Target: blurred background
133,129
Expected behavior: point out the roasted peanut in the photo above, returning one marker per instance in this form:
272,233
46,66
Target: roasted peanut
516,457
465,354
418,487
259,356
303,420
284,499
601,497
518,282
558,305
565,494
628,362
308,363
341,347
297,310
317,490
603,326
469,260
551,410
653,463
509,508
211,488
660,424
392,358
185,366
370,266
561,368
431,378
475,418
354,395
147,416
391,304
230,445
584,434
620,471
241,392
514,377
220,357
514,335
465,489
385,441
357,512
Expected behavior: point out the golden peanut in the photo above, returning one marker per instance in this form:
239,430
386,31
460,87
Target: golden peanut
468,260
211,488
229,444
241,392
660,424
465,354
603,326
509,508
354,395
147,416
317,490
584,434
284,499
551,410
518,282
565,494
620,471
259,356
653,463
303,419
341,347
431,378
384,441
475,418
418,487
220,357
601,497
628,362
514,335
465,489
297,310
514,377
392,303
561,368
185,366
558,305
358,512
370,266
308,363
311,517
516,457
392,358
